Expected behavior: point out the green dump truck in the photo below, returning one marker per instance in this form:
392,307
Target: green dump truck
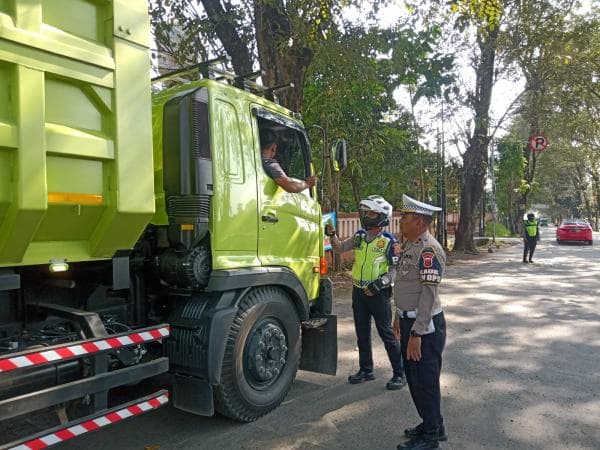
140,237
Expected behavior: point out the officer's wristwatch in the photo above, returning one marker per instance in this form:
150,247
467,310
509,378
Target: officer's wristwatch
413,333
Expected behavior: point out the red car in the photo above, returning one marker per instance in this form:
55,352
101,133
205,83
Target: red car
574,230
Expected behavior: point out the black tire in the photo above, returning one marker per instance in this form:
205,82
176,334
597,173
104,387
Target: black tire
558,242
591,242
261,356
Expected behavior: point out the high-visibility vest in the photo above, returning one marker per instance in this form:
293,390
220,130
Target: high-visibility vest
372,259
531,227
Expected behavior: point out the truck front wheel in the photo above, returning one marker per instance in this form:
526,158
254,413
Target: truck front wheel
261,355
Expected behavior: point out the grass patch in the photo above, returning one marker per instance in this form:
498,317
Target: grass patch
501,230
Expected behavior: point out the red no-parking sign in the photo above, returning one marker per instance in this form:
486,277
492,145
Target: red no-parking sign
538,143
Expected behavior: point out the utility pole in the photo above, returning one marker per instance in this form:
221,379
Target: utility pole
493,177
417,135
442,227
493,173
444,205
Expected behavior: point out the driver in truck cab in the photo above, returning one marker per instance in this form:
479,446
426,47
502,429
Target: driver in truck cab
268,147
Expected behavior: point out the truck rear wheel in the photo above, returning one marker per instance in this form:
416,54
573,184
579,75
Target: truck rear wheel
261,356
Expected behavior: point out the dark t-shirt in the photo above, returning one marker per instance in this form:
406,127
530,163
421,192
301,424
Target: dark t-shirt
273,168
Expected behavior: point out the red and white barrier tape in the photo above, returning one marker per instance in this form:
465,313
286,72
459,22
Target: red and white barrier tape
93,424
8,363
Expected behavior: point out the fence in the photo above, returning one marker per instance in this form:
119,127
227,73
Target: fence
349,223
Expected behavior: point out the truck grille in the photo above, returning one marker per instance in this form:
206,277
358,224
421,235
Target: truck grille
189,206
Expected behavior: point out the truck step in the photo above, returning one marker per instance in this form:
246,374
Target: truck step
93,422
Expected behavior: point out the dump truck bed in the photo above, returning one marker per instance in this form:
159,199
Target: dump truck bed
76,175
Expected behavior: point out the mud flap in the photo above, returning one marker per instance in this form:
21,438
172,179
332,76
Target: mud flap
193,395
319,345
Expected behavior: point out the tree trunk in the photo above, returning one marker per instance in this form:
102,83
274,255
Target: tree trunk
219,17
281,58
355,183
476,156
596,195
280,61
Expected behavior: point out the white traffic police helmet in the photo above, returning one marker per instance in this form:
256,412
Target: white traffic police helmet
377,204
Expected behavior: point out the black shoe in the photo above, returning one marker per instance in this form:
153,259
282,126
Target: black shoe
360,377
530,261
419,444
525,261
418,432
395,383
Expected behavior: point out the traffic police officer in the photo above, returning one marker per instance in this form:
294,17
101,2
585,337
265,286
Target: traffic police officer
420,322
373,273
531,236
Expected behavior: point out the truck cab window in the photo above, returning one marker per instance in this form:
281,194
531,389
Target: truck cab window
291,150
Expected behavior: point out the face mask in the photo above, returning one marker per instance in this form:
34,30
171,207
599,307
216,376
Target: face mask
368,223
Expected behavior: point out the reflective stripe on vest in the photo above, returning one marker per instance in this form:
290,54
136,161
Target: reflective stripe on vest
370,260
531,227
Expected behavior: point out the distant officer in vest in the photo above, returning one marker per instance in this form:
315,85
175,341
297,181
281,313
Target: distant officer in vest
420,322
531,236
373,273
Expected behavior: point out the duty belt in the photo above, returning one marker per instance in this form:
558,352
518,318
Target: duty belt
413,314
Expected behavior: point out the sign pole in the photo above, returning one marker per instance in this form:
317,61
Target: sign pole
493,175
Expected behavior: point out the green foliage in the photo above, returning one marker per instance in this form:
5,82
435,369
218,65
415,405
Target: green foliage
509,177
185,35
486,14
501,230
349,92
559,59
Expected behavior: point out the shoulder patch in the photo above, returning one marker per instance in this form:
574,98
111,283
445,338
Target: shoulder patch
390,236
430,269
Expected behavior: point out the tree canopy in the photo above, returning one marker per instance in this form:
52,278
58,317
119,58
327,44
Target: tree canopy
347,75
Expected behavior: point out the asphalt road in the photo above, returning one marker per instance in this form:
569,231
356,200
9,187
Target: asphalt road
521,371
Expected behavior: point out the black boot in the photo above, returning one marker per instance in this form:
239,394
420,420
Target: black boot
360,377
395,383
418,431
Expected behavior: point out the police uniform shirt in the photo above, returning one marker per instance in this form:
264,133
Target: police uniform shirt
420,269
381,244
272,168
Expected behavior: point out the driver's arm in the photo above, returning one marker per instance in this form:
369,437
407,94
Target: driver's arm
294,185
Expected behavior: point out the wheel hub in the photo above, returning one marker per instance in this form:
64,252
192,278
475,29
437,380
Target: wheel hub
266,353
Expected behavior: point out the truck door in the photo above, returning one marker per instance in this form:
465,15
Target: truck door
289,223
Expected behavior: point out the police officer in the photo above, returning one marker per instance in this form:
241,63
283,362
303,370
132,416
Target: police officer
373,272
420,322
531,236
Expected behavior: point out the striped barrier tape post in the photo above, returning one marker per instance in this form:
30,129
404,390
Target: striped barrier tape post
107,418
68,351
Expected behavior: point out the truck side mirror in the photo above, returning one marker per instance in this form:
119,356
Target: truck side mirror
339,155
